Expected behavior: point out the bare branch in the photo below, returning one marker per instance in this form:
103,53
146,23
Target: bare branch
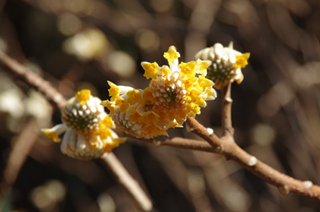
226,121
180,142
128,183
114,165
32,79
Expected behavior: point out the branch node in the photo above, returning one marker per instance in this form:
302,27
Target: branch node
228,99
284,189
218,149
252,161
210,131
308,184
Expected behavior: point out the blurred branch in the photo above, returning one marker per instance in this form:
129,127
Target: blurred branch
125,179
114,165
20,151
2,3
13,67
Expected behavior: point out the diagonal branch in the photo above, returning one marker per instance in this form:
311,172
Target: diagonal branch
31,79
113,164
232,151
121,174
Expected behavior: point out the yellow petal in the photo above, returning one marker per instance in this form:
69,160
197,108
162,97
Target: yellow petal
104,133
204,82
107,122
113,91
134,96
171,54
55,131
150,117
109,105
147,95
51,135
122,104
189,82
201,66
151,70
242,60
165,71
187,69
83,96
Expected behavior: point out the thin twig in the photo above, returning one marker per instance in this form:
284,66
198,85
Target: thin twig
128,183
20,151
2,4
226,122
195,127
43,86
179,142
31,79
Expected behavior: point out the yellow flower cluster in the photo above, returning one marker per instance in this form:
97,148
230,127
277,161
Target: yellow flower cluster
87,128
175,92
226,64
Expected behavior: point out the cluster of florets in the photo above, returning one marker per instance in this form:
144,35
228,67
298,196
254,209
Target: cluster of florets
226,64
87,128
175,92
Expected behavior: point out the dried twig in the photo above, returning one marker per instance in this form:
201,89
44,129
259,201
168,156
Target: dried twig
114,165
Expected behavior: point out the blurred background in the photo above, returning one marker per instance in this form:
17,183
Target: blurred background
78,44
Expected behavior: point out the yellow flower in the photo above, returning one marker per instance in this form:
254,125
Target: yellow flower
54,132
151,70
83,96
171,55
87,128
175,92
134,96
185,83
132,113
188,69
242,60
113,91
226,64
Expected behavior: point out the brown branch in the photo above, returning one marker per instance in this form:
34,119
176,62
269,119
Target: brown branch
195,127
179,142
2,4
284,183
114,165
128,183
32,79
232,151
226,121
20,151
